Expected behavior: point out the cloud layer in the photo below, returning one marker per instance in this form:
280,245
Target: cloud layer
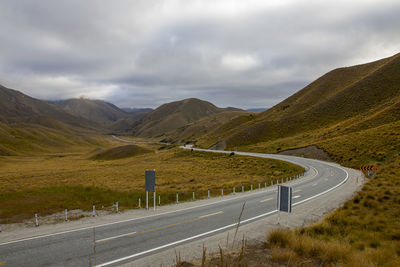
145,53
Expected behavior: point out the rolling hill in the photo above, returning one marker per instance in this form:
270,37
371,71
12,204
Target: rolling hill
342,101
100,112
31,125
172,118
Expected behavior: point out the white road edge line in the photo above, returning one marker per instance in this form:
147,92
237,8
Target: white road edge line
114,237
222,228
183,240
212,214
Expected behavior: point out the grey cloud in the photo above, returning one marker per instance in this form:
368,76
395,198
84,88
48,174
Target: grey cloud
145,53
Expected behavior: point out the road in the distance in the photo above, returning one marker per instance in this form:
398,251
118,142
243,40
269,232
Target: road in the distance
129,240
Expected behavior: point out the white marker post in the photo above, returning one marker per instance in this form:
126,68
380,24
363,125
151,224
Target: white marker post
251,187
116,207
139,202
36,220
94,211
233,190
259,187
222,192
147,200
242,189
159,200
154,198
177,200
193,195
208,193
66,215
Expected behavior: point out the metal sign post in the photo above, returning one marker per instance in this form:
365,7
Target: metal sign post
150,179
284,200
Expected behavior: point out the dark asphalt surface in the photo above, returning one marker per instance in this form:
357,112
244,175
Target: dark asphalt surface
126,241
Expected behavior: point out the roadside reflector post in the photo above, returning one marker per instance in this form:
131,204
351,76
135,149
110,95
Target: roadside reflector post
154,200
222,192
251,187
147,200
159,200
272,182
116,207
259,186
66,215
36,220
193,195
177,200
242,189
233,190
208,193
265,185
94,211
139,202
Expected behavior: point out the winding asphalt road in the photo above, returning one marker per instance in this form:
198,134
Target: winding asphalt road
127,241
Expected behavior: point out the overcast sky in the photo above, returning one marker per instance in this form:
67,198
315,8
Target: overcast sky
145,53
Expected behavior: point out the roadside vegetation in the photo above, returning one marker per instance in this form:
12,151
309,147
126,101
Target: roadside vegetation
365,231
50,183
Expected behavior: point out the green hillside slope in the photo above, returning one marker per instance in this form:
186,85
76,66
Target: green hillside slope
166,119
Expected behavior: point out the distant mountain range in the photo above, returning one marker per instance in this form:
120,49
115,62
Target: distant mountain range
342,101
256,109
99,111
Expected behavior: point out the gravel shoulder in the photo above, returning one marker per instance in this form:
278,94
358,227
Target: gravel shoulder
303,214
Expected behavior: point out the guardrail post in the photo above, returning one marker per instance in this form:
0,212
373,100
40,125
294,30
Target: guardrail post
94,211
66,215
36,220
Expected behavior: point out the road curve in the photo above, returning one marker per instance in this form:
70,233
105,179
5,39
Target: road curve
128,240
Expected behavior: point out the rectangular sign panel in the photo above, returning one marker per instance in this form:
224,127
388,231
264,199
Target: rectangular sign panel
150,177
284,198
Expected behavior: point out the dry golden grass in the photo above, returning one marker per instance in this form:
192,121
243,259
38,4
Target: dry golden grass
50,183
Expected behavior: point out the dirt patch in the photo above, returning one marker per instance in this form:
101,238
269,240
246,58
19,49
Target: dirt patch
221,145
312,152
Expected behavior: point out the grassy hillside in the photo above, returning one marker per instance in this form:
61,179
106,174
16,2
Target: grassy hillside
353,114
29,125
175,115
364,96
193,131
